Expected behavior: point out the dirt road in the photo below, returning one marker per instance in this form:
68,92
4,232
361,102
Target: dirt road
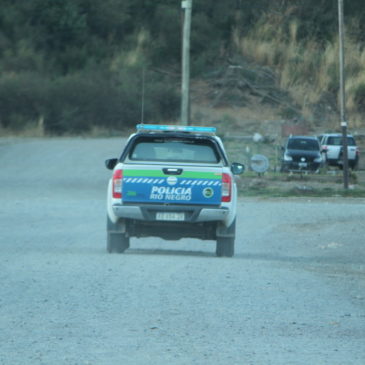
293,294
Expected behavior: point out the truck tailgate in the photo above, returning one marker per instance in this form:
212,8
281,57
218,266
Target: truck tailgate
172,185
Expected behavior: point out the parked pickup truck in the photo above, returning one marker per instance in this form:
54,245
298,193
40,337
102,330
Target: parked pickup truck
332,150
172,182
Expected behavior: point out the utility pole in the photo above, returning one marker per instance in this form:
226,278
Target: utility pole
342,96
185,88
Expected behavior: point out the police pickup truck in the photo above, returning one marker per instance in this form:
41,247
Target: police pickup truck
172,182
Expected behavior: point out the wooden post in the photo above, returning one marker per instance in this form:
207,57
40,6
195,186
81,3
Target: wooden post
342,96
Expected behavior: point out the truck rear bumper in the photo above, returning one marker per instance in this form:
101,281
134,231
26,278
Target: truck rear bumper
191,214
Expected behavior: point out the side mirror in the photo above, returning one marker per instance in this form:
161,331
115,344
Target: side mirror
111,163
237,168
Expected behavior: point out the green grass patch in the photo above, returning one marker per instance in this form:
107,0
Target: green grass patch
274,184
294,192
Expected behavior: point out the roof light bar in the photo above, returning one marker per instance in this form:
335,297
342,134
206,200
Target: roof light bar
175,128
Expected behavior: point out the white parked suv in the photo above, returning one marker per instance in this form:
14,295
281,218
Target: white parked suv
332,150
172,182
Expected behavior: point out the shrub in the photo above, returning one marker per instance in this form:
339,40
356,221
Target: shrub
22,99
164,102
80,101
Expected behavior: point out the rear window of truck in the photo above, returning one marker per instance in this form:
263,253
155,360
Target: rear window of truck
337,141
175,150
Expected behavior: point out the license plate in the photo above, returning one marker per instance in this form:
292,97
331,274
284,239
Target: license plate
170,216
302,164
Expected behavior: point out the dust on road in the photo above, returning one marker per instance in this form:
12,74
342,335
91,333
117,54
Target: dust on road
293,294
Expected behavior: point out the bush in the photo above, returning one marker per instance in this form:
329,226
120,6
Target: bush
95,98
23,98
163,102
78,102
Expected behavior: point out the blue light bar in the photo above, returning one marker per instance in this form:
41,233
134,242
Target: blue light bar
175,128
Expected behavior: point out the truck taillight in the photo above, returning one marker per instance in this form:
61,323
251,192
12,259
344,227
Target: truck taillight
226,187
117,184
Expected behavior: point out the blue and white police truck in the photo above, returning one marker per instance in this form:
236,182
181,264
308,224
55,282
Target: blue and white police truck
172,182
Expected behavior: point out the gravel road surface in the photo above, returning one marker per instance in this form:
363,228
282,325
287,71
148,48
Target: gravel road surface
293,294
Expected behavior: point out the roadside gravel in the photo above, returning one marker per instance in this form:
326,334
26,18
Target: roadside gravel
293,294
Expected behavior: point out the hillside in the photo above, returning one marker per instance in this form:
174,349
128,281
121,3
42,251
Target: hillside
228,99
76,66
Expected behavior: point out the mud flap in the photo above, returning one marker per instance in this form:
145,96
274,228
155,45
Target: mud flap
117,237
223,231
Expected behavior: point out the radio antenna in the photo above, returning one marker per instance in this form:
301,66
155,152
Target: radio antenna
142,98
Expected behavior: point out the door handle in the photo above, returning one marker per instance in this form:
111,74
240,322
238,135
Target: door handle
172,171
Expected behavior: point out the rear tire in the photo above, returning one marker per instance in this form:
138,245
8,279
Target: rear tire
354,164
117,241
225,240
225,247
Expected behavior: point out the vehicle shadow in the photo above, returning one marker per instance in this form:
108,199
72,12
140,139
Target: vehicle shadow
167,252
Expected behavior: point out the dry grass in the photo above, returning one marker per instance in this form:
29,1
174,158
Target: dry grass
30,130
307,69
